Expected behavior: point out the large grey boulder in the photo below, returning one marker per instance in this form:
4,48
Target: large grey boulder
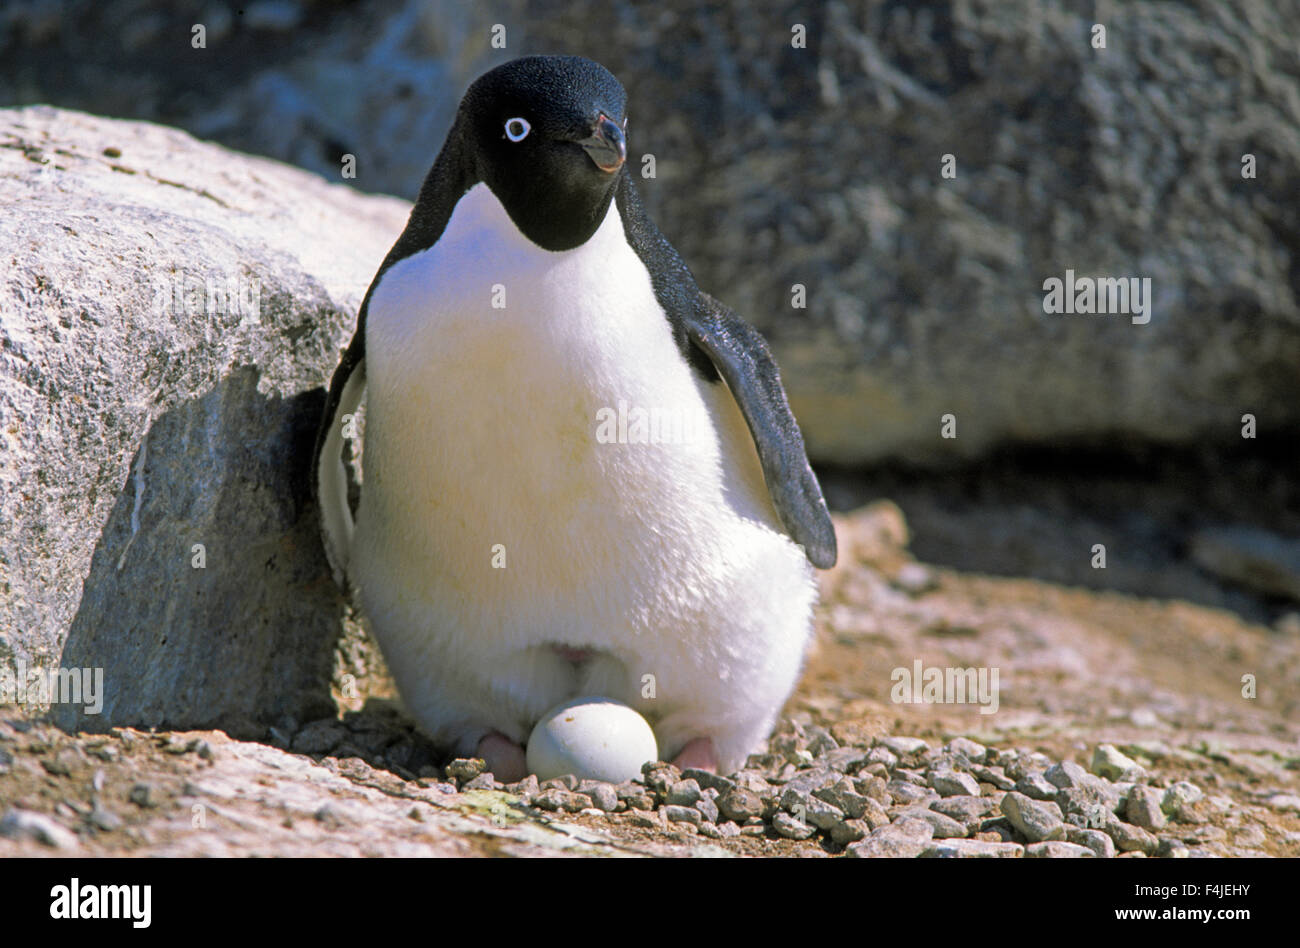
168,312
821,166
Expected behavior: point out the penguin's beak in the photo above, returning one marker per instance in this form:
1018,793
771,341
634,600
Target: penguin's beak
607,146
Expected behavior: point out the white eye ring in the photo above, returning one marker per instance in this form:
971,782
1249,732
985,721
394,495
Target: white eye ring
517,129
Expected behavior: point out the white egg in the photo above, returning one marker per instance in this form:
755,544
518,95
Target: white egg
591,738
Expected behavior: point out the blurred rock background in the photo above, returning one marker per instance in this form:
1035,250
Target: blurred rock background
820,166
775,165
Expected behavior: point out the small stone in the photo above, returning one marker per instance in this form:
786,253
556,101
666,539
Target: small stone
684,793
659,777
844,797
709,781
676,813
563,782
605,797
954,784
1088,806
823,815
845,759
740,805
790,828
26,824
1109,762
554,799
1143,808
142,795
1036,787
1102,846
963,747
708,809
1038,821
973,849
525,789
875,815
728,830
905,839
902,793
105,819
941,826
849,831
645,819
993,775
759,830
1286,802
1130,838
969,811
883,756
484,781
903,746
874,787
465,769
710,830
1055,849
1169,848
1066,774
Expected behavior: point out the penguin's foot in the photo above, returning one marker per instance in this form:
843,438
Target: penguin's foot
698,755
505,759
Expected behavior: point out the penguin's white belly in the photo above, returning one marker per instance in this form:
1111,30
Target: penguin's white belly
520,542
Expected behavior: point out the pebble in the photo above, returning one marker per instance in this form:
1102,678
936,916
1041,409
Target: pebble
484,781
1038,821
903,746
1056,849
1102,846
902,793
684,793
970,811
1036,787
1143,808
995,776
953,784
1172,849
26,824
941,826
973,849
465,769
605,797
683,814
970,750
708,809
739,804
849,831
1110,762
709,781
1130,839
906,839
790,828
1066,774
843,796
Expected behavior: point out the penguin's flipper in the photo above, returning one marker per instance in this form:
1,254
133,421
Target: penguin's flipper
743,359
329,473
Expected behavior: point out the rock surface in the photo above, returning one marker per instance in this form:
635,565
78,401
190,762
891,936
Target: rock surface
822,166
168,312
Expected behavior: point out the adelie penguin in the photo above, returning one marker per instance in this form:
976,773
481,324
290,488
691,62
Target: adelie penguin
506,555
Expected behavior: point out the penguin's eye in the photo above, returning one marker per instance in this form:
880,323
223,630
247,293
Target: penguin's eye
517,129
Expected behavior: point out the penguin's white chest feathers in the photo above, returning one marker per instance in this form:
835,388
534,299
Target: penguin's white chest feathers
543,466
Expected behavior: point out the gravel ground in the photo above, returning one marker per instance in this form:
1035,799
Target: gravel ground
1122,732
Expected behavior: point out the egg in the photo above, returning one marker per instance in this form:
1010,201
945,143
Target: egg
591,738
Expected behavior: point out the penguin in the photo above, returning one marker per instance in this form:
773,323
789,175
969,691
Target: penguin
580,472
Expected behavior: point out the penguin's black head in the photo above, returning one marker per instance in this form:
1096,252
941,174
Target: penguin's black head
547,136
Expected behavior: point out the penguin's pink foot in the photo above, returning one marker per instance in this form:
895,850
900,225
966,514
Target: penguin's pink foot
698,755
505,759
